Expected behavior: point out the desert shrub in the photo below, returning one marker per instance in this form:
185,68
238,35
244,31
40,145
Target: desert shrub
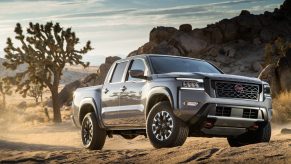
282,108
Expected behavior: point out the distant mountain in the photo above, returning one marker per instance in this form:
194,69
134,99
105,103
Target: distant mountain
236,45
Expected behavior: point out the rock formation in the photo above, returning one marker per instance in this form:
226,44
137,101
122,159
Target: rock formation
236,45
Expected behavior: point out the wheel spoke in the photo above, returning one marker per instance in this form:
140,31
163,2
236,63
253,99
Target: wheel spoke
162,125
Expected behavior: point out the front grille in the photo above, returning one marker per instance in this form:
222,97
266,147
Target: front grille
250,113
236,90
223,111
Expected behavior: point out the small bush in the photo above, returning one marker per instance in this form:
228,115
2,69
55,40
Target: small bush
282,108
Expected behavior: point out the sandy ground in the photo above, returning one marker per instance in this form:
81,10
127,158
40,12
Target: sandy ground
61,143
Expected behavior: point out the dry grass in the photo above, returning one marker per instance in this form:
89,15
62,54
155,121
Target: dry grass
282,108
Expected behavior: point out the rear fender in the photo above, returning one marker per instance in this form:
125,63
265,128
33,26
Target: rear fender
97,111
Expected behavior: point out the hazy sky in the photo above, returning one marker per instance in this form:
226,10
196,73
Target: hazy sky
117,27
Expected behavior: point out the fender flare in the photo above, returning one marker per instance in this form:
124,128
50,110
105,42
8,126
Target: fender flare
90,101
159,90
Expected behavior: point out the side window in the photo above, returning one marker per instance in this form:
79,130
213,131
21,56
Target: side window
118,72
137,64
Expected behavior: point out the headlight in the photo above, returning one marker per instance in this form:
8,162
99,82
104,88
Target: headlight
196,84
267,90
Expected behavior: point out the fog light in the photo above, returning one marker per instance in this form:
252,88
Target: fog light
190,103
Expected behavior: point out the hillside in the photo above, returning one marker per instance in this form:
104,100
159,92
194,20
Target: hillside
236,45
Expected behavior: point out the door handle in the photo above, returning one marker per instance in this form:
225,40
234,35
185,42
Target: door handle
123,88
106,90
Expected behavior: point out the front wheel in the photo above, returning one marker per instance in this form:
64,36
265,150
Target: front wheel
164,129
263,134
93,137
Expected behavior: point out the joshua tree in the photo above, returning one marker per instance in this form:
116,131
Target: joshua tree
5,89
46,49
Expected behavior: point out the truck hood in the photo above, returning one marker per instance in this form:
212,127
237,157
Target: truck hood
212,76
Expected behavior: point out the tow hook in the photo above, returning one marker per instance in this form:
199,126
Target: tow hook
209,123
254,127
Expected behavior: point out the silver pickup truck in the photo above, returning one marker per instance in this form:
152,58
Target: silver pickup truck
170,98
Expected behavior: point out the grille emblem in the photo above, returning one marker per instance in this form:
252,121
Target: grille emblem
239,88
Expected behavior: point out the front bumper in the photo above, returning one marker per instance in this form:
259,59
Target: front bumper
203,107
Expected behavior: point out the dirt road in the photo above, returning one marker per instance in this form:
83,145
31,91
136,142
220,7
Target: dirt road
61,143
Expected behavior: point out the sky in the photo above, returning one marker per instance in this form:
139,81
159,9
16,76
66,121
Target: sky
117,27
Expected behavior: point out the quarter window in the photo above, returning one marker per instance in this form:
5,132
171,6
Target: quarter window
118,72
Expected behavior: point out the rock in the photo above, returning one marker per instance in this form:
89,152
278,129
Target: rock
169,49
229,51
189,44
285,131
226,70
266,35
22,105
223,60
257,67
244,13
242,68
160,34
185,27
133,53
214,51
229,29
257,41
147,48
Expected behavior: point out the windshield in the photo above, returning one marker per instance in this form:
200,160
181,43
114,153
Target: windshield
166,64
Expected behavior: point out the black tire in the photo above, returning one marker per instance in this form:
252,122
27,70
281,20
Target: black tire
263,134
158,130
93,137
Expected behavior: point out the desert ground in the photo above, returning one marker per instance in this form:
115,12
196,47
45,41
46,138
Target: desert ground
51,143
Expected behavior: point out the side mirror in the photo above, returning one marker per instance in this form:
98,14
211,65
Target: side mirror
137,74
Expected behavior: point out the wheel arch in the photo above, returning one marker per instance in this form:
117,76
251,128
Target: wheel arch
89,105
156,95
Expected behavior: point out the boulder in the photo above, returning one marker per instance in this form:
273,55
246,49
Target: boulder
185,27
146,48
160,34
230,51
244,13
189,44
172,48
229,29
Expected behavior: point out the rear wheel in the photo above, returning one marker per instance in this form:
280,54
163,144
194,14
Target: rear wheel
164,129
263,134
93,137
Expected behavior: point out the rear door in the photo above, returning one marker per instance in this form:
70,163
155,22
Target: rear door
131,112
111,95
